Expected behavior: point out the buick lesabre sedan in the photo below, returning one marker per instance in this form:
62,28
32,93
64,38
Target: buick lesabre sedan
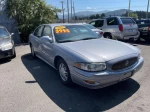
80,56
7,47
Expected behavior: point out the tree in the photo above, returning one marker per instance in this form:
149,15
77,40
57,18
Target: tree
133,15
29,14
97,16
102,15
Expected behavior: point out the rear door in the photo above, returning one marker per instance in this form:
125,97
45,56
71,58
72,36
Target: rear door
112,25
36,40
130,28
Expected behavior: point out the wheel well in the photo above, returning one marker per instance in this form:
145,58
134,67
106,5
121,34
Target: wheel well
57,58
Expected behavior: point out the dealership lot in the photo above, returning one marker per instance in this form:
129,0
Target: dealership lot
30,85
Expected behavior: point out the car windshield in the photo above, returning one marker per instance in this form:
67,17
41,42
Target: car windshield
89,26
3,33
71,33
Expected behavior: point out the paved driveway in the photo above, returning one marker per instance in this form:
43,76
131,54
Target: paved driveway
30,85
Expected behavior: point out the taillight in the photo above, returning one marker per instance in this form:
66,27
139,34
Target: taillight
101,33
121,27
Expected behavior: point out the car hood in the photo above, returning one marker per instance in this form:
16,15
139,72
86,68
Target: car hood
4,40
101,50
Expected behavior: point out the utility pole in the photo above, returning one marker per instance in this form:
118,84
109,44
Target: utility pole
63,9
71,9
147,10
129,8
68,9
74,12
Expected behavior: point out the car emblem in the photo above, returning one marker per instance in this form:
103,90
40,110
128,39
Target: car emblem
127,63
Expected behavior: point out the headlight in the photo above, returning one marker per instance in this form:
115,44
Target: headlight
93,67
7,46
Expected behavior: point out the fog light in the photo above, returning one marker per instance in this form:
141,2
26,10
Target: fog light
89,82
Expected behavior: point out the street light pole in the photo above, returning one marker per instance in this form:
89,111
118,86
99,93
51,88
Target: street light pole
147,9
129,8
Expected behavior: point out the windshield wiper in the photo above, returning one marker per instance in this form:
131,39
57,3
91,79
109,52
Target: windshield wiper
66,41
88,38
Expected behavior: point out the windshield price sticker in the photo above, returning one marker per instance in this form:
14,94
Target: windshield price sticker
61,29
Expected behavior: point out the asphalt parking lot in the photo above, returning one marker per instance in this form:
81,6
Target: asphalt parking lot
30,85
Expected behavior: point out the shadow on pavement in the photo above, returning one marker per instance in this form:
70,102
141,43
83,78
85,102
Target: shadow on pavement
3,61
77,98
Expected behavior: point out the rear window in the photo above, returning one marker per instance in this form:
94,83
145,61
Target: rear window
3,33
112,21
127,21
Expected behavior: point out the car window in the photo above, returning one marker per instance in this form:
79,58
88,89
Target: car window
99,23
93,23
140,22
112,21
73,33
127,21
47,31
3,32
38,31
89,26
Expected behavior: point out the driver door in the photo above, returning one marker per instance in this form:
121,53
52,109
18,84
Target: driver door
47,46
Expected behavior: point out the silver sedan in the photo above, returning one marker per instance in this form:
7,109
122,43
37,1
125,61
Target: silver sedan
80,56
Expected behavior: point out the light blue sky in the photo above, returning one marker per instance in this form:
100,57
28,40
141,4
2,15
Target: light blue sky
98,5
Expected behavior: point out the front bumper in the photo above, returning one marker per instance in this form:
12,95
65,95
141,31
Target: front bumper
105,78
6,54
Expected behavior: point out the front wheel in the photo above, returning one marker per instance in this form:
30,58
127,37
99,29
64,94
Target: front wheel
32,51
64,72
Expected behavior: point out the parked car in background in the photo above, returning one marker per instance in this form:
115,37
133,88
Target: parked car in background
144,28
94,29
7,47
123,28
80,56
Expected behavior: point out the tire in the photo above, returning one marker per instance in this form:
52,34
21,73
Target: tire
14,55
108,36
64,72
32,51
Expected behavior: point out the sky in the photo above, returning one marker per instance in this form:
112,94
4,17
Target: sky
100,5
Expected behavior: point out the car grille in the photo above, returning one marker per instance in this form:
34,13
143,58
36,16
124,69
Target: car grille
124,64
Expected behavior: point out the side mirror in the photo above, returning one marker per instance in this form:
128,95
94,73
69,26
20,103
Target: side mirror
47,39
11,34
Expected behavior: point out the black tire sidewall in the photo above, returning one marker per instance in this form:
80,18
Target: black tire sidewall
32,51
108,35
69,80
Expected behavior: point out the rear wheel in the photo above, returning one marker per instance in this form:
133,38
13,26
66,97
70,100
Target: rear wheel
108,36
64,72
